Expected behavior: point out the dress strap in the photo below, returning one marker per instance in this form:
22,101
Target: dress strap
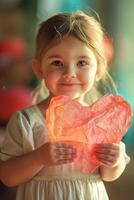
26,115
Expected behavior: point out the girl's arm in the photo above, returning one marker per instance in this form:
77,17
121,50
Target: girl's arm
21,169
113,161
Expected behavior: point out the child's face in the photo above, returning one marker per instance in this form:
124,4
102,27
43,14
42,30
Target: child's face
69,68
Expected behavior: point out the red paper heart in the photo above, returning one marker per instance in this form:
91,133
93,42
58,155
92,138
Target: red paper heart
105,121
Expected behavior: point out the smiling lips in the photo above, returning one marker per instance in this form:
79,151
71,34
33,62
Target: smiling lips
69,84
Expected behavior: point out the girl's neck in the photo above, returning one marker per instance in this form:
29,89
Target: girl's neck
43,105
81,101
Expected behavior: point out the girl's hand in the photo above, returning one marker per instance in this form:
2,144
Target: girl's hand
108,154
57,153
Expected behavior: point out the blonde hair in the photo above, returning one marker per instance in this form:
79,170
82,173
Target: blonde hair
86,28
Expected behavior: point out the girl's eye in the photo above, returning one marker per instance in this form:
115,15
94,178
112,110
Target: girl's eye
83,63
57,63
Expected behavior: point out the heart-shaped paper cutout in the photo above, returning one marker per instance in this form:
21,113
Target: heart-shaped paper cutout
105,121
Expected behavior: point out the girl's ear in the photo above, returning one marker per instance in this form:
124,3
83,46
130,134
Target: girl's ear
37,69
100,73
98,76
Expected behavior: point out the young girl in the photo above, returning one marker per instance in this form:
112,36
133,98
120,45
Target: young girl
70,60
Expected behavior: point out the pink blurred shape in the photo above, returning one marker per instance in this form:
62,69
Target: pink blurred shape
12,100
105,121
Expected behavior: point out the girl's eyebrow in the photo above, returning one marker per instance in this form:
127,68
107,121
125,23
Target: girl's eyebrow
53,56
83,57
78,57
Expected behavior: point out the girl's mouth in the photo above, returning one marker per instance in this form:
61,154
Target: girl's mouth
69,84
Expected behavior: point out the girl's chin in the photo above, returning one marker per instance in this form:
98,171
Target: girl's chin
72,96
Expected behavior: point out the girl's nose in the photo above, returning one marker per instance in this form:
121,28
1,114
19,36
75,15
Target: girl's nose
70,73
68,76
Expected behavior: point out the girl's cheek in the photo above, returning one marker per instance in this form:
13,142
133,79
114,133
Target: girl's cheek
84,77
53,73
52,78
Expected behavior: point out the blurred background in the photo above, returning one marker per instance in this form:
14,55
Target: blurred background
18,25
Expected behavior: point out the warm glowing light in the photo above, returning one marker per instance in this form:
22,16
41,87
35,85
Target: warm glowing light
105,121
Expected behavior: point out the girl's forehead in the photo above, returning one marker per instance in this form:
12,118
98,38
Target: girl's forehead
69,44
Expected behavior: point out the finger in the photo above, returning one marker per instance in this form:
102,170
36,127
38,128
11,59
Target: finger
65,149
62,145
64,156
61,159
64,161
106,162
61,156
107,158
104,156
110,163
107,146
111,152
111,149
